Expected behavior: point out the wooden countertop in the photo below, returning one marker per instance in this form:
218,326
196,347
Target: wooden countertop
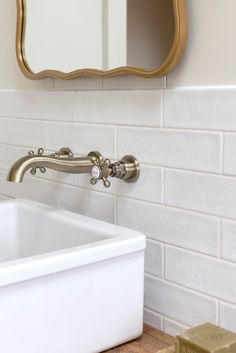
151,341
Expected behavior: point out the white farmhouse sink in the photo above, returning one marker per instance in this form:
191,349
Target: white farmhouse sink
68,283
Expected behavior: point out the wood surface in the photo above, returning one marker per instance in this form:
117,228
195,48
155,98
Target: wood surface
151,341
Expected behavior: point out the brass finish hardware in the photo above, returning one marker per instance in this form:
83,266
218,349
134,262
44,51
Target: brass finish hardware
33,171
176,52
64,152
99,168
131,169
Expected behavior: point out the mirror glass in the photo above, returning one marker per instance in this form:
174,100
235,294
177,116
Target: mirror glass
68,35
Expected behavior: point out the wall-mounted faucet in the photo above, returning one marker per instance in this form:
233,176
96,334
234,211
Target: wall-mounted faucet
99,168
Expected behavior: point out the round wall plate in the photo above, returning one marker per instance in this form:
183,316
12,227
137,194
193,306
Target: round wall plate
136,168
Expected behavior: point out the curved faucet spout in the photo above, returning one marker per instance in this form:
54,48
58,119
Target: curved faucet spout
66,164
99,168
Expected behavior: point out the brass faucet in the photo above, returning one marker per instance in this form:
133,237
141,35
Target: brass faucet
126,169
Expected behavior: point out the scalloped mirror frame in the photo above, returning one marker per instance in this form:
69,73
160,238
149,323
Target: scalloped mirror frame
175,54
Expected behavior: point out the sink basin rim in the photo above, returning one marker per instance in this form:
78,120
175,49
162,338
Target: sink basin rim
122,242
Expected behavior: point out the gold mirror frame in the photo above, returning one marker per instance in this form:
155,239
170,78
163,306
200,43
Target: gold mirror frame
177,49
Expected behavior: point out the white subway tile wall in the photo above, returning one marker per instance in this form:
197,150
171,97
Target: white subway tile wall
153,319
185,200
179,303
171,327
227,314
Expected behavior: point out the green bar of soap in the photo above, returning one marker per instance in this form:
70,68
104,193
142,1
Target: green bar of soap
206,338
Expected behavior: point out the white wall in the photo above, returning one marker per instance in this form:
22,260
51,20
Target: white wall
183,130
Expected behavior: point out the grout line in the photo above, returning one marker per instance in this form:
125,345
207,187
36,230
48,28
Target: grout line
144,164
144,201
14,105
162,110
198,129
194,290
203,213
164,261
187,249
155,275
169,129
175,322
188,289
173,207
106,194
44,134
163,186
191,289
129,198
162,323
45,192
221,153
76,103
137,125
166,316
16,146
218,313
220,240
155,241
116,210
202,88
152,312
200,254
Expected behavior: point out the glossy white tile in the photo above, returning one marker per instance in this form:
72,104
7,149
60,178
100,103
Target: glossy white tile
203,273
229,240
188,150
178,303
153,319
81,138
227,314
88,203
148,187
21,132
154,258
7,103
229,157
120,107
45,105
167,225
209,109
31,188
214,194
173,328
